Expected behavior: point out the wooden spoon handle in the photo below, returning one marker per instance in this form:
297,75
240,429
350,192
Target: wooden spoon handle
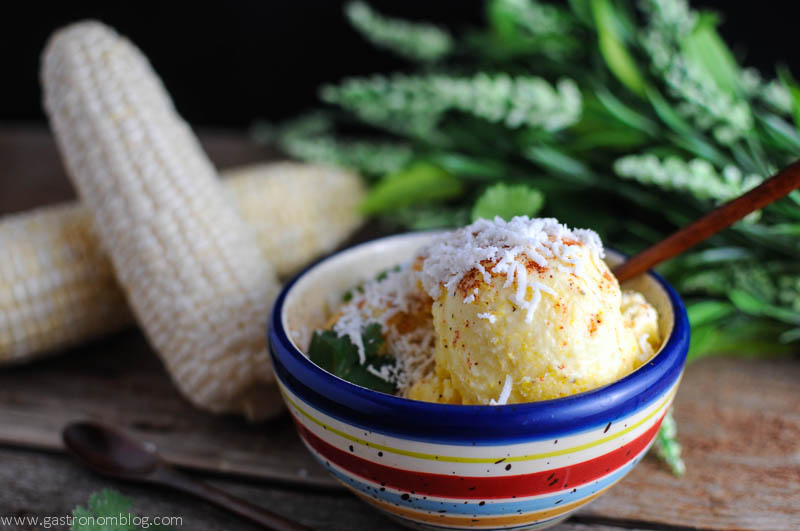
767,192
168,476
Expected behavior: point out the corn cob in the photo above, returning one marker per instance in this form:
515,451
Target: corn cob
56,286
297,211
58,289
190,267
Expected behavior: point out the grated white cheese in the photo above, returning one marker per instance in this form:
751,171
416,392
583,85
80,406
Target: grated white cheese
414,355
488,316
506,245
376,302
386,373
504,394
471,296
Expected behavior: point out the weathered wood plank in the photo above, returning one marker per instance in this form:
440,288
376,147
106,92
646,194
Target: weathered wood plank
49,485
739,424
120,381
43,485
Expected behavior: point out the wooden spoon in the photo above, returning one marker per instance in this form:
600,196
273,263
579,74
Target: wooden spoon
114,454
767,192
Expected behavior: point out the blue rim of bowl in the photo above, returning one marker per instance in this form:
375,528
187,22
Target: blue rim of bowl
474,424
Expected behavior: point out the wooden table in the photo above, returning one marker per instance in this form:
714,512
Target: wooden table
739,423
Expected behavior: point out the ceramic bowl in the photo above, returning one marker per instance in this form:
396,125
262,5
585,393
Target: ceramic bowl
437,466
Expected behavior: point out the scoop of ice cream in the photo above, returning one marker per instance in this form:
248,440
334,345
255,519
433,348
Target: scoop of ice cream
641,319
526,310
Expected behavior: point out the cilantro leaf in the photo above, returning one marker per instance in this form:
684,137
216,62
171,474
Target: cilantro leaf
372,337
339,356
508,201
108,510
104,505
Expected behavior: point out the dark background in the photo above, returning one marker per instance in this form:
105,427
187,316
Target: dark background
227,63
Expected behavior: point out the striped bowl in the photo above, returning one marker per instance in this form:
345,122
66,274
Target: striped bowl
438,466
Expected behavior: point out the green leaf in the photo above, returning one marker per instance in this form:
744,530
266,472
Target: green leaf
742,336
752,305
786,208
372,336
582,10
706,50
468,167
419,182
668,115
508,201
616,56
501,20
794,90
339,356
790,335
699,147
716,256
781,133
560,163
686,136
327,351
104,504
784,229
618,140
624,113
429,216
704,312
108,510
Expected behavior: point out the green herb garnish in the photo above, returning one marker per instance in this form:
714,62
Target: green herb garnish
339,356
348,295
109,510
508,201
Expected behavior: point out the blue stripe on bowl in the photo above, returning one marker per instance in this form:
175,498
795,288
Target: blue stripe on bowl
478,425
489,509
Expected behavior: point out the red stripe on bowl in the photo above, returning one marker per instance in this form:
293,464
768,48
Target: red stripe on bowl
490,487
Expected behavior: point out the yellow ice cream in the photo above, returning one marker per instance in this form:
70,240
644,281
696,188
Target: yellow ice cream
562,332
505,312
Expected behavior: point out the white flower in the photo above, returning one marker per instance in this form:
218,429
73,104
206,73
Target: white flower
415,40
697,176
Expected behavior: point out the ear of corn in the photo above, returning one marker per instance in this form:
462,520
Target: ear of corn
190,267
297,211
58,289
56,286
